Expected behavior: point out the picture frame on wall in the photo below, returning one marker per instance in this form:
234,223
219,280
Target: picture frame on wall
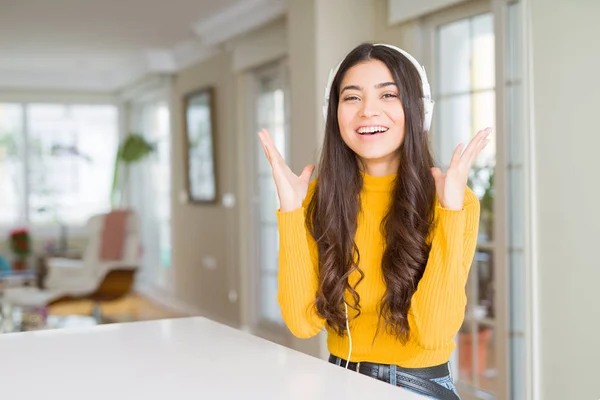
199,127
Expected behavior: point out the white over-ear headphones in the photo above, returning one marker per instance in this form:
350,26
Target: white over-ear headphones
427,100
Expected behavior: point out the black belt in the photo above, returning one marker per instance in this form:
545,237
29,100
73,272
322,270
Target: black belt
417,379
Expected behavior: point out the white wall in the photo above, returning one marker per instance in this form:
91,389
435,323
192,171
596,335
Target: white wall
405,10
320,33
566,95
264,45
341,25
205,236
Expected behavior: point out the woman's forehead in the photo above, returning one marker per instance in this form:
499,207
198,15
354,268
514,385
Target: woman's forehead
367,74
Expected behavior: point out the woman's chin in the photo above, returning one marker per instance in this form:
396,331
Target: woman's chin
378,157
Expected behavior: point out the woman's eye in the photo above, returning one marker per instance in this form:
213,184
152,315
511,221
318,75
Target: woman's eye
390,95
350,98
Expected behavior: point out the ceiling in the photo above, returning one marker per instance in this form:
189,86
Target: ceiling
102,45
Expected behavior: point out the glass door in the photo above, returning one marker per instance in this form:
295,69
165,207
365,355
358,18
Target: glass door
151,193
269,110
476,82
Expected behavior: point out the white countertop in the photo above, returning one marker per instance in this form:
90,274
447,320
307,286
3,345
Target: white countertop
187,358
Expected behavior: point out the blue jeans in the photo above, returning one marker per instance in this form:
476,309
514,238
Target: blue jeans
446,382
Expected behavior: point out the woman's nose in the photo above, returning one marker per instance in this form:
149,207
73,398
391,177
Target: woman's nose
369,109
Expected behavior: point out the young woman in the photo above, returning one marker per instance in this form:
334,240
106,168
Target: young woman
378,248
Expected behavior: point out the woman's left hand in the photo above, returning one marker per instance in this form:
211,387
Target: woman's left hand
451,187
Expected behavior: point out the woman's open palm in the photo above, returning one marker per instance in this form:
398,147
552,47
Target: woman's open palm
451,187
291,188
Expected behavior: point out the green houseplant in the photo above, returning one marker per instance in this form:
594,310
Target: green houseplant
133,149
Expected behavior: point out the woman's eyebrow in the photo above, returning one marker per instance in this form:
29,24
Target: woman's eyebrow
385,84
351,87
378,86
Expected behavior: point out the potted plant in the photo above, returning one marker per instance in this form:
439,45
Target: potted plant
481,180
20,244
133,149
466,347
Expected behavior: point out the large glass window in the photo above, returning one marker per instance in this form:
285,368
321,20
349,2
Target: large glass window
151,191
516,200
71,155
56,162
12,168
466,104
270,113
469,84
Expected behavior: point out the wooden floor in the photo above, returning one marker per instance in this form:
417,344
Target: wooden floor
132,308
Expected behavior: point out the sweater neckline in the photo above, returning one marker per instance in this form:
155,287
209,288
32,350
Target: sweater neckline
378,183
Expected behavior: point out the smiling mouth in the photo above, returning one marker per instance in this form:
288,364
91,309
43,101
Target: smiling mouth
371,130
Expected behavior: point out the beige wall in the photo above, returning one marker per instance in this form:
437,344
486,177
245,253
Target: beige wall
317,37
566,94
261,46
302,44
567,218
320,33
405,35
201,231
254,50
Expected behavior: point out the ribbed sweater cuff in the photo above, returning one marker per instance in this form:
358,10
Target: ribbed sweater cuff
292,228
293,243
452,224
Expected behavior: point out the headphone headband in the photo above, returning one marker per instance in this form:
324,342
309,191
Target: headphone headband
427,100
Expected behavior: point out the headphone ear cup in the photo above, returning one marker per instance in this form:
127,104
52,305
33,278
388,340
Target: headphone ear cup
428,111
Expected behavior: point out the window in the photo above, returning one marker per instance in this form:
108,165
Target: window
516,194
12,168
466,98
474,89
269,109
56,162
151,191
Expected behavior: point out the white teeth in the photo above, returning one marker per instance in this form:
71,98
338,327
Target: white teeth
372,129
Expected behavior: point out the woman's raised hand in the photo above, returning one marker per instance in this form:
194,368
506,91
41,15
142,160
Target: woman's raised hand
291,188
451,187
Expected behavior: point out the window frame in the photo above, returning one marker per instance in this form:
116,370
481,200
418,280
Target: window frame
500,243
25,99
156,274
256,322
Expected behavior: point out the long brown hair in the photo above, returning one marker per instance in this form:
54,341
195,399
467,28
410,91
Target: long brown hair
334,207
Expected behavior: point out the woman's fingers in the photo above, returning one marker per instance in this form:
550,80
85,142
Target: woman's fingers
275,158
480,145
262,138
457,154
475,147
307,173
473,144
291,189
268,146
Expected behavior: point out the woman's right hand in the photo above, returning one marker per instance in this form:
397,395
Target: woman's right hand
291,188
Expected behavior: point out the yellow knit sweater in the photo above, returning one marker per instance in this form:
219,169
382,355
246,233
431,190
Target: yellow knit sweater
437,307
